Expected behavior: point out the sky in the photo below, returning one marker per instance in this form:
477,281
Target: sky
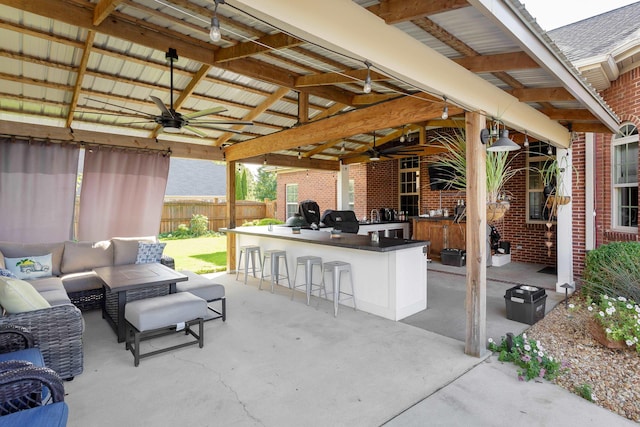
551,14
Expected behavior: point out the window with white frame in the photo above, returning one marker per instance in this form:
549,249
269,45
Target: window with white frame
409,181
624,168
292,199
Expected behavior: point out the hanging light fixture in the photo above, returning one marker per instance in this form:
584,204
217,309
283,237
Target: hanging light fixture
342,149
526,139
367,81
214,33
402,137
499,139
299,154
445,110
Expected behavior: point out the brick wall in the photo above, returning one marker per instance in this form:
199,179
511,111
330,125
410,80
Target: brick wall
317,185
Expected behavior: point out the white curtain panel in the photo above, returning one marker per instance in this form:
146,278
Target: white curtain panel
122,194
37,191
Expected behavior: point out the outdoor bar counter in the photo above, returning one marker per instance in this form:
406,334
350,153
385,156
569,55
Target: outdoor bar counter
390,276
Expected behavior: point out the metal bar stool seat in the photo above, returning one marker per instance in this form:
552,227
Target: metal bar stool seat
274,255
249,252
336,268
308,262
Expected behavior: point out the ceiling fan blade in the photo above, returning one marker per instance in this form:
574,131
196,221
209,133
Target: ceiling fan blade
161,106
222,122
100,113
119,106
206,112
194,130
221,129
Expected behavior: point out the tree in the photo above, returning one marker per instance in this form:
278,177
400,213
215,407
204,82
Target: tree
265,185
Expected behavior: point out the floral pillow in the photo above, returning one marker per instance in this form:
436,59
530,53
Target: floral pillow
30,267
149,252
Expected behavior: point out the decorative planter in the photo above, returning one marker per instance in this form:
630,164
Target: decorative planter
553,200
496,210
598,333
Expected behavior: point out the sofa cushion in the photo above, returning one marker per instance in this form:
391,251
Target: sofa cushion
56,297
21,250
30,267
1,260
18,296
84,281
84,256
47,284
149,252
125,249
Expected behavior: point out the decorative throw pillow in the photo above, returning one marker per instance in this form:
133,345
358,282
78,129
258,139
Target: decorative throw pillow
18,296
149,252
7,273
30,267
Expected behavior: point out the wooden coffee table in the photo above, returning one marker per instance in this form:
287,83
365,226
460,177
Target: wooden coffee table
130,282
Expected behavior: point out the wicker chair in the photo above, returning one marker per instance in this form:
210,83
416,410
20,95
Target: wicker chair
56,331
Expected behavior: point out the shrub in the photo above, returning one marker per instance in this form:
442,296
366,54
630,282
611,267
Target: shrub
263,221
613,270
528,354
199,225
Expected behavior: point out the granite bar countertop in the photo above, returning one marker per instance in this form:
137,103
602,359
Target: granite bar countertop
320,237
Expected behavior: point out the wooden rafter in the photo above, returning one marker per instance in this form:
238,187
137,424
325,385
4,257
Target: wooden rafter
82,68
394,11
275,96
103,9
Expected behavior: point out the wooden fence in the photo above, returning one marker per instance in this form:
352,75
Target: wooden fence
178,211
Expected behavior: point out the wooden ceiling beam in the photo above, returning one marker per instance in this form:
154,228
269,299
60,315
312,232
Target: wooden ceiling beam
352,76
264,106
82,68
549,94
392,113
104,9
263,44
394,11
282,160
498,62
570,115
80,136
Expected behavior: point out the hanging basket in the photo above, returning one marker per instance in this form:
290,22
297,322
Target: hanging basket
553,201
496,211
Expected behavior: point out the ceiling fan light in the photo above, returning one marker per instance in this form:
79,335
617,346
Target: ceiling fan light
374,158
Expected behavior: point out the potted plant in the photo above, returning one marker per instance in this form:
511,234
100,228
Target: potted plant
498,169
555,192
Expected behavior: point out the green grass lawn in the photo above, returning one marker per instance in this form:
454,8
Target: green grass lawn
200,255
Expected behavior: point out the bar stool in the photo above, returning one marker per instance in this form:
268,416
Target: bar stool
308,262
249,252
336,268
275,256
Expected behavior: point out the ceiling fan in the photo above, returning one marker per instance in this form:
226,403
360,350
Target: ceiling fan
173,121
391,152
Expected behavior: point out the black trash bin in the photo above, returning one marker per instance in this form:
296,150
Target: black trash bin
525,304
457,257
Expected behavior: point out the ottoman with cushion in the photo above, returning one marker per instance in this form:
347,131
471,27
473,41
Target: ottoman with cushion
207,290
162,315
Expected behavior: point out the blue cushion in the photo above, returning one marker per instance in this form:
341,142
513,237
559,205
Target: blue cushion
54,415
32,355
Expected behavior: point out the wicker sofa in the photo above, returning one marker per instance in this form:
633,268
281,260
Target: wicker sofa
72,287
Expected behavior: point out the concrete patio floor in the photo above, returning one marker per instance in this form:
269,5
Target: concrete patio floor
281,363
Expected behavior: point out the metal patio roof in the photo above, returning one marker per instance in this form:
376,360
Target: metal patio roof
75,70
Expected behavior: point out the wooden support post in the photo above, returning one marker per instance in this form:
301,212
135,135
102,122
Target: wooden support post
303,107
231,216
476,297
